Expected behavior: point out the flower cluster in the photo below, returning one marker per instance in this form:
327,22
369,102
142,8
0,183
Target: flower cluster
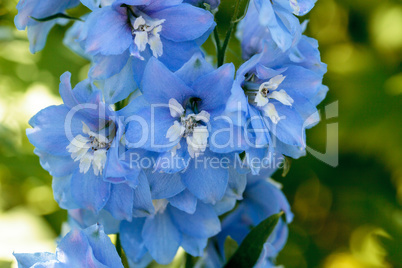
157,144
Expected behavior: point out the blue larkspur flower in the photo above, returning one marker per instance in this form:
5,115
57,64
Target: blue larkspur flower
169,30
78,142
173,218
276,24
180,120
262,198
79,248
278,93
160,235
38,31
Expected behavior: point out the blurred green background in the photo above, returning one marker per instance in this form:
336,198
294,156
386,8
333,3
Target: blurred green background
345,216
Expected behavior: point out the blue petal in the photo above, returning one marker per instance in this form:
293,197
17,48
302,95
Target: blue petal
38,31
118,3
174,60
164,185
74,250
83,92
120,203
290,129
142,206
102,247
184,201
27,260
224,205
109,32
161,237
159,84
156,5
169,163
119,86
49,132
259,128
142,263
304,81
218,83
194,246
84,218
57,166
106,66
131,239
289,150
89,191
39,9
268,170
203,223
225,136
206,181
236,184
62,192
37,35
270,18
71,39
184,22
196,67
147,129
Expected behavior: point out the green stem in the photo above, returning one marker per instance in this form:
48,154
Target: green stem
119,250
118,245
56,16
233,22
217,41
189,261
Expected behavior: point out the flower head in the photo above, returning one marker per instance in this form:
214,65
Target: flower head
79,248
29,10
79,144
168,30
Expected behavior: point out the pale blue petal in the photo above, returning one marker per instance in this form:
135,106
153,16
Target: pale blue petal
203,223
109,32
131,239
184,22
196,67
120,203
161,237
27,260
194,246
63,193
164,185
206,182
160,85
89,191
184,201
102,247
218,83
142,206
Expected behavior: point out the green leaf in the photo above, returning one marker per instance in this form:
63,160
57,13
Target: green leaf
56,16
230,247
286,166
250,250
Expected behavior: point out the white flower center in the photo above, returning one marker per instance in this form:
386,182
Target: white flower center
146,31
190,127
90,150
268,90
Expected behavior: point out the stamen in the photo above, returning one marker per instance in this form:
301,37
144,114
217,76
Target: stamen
146,30
190,126
90,150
